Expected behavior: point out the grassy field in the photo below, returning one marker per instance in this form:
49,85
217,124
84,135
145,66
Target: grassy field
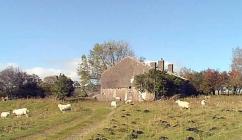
47,122
221,119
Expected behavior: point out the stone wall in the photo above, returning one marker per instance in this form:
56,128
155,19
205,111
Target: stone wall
131,94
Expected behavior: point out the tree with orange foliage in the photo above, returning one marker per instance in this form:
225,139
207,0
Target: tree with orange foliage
223,82
235,81
210,81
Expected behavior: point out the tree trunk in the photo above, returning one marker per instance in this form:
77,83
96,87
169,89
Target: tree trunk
213,91
234,90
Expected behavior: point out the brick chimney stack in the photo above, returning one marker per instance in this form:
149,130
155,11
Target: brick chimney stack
152,64
171,68
161,65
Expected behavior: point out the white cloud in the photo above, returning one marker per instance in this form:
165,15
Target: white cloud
43,72
10,64
69,68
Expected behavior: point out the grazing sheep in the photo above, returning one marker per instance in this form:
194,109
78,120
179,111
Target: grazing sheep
207,97
142,96
64,107
114,104
118,98
203,102
5,114
132,80
5,99
126,97
20,112
183,104
128,102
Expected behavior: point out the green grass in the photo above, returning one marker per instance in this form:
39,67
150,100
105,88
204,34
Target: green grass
221,119
46,121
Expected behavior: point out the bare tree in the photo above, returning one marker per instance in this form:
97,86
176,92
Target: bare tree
15,83
237,59
236,70
101,57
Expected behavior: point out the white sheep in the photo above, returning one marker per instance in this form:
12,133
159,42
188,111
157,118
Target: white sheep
126,97
64,107
183,104
142,96
5,99
203,102
5,114
132,80
118,98
114,104
207,97
128,101
20,112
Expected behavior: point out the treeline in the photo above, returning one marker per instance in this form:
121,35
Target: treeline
15,83
213,82
210,81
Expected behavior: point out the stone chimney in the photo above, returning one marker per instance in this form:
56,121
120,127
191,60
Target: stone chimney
152,64
161,65
171,68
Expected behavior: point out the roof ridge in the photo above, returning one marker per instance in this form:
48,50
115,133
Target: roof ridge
135,59
127,57
174,74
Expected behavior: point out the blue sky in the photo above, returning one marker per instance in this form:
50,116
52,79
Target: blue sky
53,34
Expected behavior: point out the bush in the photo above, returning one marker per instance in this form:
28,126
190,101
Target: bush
63,87
79,92
162,84
17,84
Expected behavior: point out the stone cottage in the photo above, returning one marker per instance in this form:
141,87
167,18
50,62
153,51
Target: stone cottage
117,81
